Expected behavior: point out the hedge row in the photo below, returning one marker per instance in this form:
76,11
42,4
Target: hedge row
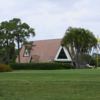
40,66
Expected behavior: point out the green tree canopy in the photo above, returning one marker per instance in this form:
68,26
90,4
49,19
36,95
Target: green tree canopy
12,32
20,31
79,40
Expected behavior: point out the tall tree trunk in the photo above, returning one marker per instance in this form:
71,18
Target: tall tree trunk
18,43
77,59
72,54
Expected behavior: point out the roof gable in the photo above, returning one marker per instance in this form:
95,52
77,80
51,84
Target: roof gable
63,55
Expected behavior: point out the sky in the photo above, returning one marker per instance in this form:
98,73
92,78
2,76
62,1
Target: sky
51,18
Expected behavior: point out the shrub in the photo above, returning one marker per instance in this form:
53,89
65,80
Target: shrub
40,66
5,68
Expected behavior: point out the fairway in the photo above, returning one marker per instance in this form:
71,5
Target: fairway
50,85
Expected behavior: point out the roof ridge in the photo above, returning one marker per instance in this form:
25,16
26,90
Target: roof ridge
47,39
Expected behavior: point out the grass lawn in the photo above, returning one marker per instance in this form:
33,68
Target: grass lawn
50,85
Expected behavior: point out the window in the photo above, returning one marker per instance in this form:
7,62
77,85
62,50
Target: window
26,52
62,54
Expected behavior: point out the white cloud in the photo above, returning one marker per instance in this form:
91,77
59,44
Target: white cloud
51,18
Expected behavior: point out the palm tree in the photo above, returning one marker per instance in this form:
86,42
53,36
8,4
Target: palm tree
80,41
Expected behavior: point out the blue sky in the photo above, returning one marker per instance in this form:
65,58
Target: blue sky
51,18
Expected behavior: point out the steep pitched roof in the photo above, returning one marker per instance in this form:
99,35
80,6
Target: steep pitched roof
45,50
42,51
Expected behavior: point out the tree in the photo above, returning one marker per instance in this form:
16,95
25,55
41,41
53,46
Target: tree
6,42
79,41
12,32
21,31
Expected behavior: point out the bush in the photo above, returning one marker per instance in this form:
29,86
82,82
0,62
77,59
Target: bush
5,68
40,66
